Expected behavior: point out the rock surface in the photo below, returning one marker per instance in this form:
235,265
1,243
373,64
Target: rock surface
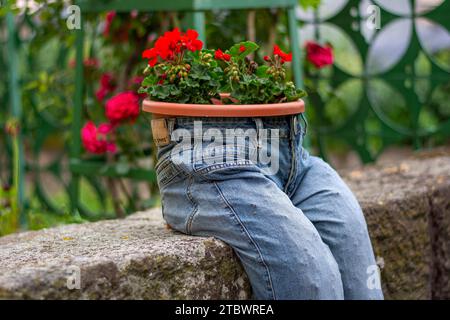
134,258
407,207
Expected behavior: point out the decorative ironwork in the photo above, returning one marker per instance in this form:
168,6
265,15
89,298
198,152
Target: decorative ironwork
389,85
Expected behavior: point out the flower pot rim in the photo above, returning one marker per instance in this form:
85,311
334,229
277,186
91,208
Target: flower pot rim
223,110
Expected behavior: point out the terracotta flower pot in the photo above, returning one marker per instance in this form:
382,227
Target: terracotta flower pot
158,108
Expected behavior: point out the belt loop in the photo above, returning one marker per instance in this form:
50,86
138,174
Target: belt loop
259,127
170,126
302,115
294,122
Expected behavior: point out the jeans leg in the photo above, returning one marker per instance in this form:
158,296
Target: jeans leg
330,205
279,247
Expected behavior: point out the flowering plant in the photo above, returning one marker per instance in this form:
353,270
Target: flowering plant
179,70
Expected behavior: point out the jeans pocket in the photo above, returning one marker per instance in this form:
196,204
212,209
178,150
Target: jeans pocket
214,162
167,172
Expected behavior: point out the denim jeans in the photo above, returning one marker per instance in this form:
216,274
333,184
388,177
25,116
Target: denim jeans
298,230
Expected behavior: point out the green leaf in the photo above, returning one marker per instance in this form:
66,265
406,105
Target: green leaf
250,47
262,71
149,80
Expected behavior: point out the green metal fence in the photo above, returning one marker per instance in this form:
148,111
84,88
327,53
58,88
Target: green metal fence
384,89
389,85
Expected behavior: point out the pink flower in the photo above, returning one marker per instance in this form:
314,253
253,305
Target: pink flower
122,107
95,139
106,86
134,84
136,80
318,55
109,19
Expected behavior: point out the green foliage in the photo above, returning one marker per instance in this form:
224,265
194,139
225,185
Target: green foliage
198,78
253,84
235,50
253,89
202,81
8,215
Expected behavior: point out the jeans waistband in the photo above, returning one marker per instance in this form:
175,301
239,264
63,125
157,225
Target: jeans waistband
283,123
281,120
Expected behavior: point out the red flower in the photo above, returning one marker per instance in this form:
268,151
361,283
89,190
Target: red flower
319,56
151,55
171,44
191,42
285,57
109,19
122,107
266,58
107,86
167,45
219,55
95,139
242,48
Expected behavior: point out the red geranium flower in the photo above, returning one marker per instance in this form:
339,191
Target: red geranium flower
151,55
171,44
191,42
219,55
95,139
319,56
285,57
122,107
242,48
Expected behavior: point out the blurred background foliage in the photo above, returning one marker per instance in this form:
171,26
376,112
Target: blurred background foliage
388,88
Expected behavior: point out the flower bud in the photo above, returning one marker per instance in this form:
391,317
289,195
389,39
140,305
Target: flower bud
147,70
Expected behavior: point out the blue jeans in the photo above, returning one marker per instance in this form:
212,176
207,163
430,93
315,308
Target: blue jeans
298,230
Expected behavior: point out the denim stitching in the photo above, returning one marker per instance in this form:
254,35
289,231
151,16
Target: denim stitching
191,216
270,285
293,161
214,167
165,178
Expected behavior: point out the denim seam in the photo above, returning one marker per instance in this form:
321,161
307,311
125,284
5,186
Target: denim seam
293,160
215,167
165,181
191,216
230,207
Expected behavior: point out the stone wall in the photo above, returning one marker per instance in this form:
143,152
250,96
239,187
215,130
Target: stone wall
407,207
